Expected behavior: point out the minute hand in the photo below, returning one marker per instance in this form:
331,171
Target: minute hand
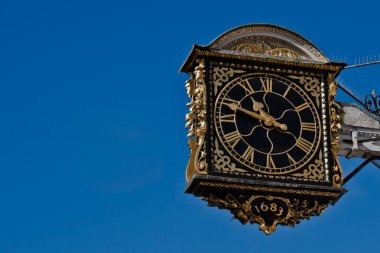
252,114
268,120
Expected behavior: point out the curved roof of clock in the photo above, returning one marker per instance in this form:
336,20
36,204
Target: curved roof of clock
269,40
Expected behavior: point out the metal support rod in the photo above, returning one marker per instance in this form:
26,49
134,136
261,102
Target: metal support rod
376,164
362,64
353,173
351,95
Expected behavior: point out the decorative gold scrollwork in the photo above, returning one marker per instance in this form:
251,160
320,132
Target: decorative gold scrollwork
285,53
314,170
334,133
312,85
222,162
303,209
267,48
222,75
267,211
196,121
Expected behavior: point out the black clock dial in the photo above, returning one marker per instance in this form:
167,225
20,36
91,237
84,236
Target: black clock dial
267,123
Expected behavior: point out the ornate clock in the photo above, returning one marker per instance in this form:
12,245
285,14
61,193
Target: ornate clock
268,123
262,126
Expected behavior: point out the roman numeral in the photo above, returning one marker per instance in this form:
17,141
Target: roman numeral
248,154
270,163
233,138
228,118
267,84
308,126
291,159
302,107
287,91
304,145
247,86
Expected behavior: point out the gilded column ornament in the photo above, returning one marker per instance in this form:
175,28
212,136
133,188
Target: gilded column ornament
312,85
190,124
222,75
334,135
201,110
196,121
267,211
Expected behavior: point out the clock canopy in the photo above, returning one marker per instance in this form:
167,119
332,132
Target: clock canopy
269,41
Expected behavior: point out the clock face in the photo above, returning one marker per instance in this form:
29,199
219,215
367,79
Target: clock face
267,123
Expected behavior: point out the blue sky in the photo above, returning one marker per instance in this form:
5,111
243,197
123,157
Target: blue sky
92,142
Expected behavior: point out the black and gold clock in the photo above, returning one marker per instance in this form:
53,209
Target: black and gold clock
263,130
267,123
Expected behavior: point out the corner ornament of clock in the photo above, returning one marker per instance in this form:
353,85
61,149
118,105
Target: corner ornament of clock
261,133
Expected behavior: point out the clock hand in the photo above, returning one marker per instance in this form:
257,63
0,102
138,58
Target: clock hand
267,119
257,106
254,115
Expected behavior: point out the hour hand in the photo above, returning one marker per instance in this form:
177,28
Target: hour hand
257,106
232,106
269,120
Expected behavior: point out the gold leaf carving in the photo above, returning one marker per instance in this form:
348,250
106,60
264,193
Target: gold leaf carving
303,209
267,48
285,53
267,211
314,171
335,127
222,75
222,162
311,84
196,121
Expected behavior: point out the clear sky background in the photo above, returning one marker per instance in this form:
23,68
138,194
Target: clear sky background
92,142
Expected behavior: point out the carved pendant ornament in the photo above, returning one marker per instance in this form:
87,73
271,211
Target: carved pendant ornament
267,211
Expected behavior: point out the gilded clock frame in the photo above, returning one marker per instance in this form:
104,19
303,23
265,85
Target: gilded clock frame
202,87
320,168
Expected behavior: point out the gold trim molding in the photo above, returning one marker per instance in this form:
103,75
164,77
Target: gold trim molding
200,52
306,192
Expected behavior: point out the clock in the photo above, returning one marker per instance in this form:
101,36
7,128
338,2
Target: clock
263,126
267,123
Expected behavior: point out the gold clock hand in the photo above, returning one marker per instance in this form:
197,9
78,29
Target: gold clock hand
268,120
283,127
257,106
254,115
